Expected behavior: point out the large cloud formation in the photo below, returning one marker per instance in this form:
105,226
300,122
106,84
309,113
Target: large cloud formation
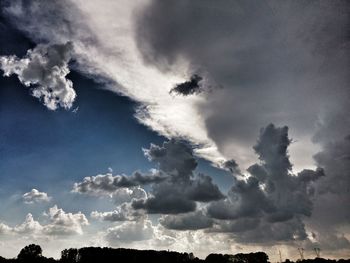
268,56
282,62
174,187
45,69
271,203
182,190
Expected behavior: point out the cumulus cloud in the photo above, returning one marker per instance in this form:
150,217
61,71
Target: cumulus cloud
35,196
44,68
180,192
271,202
60,224
174,188
29,226
4,229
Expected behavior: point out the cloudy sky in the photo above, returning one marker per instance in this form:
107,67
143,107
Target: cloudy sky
189,125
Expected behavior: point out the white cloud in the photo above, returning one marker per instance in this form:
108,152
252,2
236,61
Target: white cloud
4,229
35,196
29,226
60,224
44,68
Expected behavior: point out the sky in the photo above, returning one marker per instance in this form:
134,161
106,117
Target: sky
185,125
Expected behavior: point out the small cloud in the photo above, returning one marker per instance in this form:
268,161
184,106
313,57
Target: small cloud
35,196
188,87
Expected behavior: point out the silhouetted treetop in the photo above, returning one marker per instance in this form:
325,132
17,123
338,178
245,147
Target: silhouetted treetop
33,254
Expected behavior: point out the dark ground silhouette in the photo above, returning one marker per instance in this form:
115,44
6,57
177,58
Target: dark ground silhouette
33,253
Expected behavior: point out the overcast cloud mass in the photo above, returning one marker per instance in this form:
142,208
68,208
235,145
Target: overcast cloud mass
259,90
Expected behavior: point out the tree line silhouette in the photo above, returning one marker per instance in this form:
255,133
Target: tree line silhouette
33,253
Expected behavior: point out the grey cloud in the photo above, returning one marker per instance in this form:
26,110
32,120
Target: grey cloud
202,189
189,87
291,230
166,200
139,179
174,187
35,196
45,69
330,217
259,231
237,226
179,193
273,199
174,157
276,60
245,199
190,221
109,184
328,240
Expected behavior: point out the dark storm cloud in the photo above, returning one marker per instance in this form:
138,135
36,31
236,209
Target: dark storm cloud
174,157
272,198
277,60
266,233
180,192
332,194
188,87
165,201
202,189
190,221
174,188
